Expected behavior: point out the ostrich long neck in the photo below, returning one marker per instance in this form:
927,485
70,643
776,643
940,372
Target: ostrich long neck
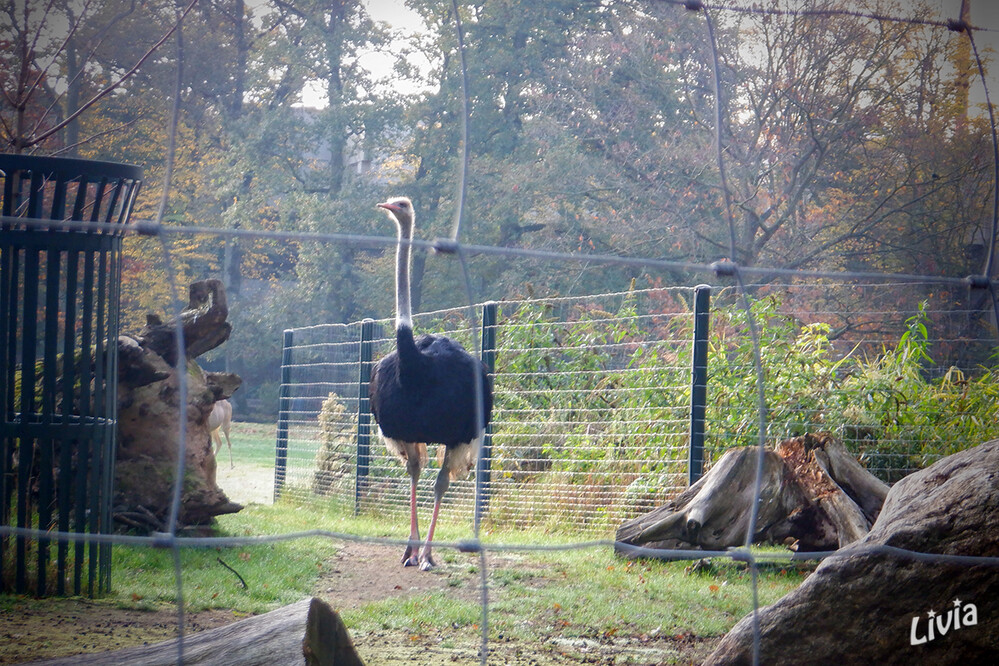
403,306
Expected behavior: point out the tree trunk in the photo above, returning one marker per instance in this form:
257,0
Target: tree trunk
813,492
862,606
309,628
150,414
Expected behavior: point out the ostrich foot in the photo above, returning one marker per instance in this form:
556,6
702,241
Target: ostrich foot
409,558
426,561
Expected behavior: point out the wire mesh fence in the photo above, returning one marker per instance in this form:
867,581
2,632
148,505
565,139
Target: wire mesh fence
605,437
593,412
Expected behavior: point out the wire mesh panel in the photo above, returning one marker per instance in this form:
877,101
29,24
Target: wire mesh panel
319,445
580,433
898,372
593,397
592,416
59,293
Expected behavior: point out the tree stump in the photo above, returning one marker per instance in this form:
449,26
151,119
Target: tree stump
149,415
814,494
864,606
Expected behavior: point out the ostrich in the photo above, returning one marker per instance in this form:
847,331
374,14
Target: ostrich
423,393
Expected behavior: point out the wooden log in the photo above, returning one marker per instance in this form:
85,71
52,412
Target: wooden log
308,628
203,323
327,642
813,492
862,606
865,489
713,513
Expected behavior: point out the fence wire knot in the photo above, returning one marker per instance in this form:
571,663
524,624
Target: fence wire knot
445,246
162,540
725,268
741,555
957,25
470,546
978,281
146,228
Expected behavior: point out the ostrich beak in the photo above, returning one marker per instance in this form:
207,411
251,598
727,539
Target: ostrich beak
388,206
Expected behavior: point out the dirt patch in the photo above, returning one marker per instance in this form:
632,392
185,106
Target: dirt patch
244,483
364,573
360,573
33,629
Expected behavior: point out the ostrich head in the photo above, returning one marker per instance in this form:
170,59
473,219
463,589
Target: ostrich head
400,209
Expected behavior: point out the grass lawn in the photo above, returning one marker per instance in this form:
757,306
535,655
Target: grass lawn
253,443
544,607
572,597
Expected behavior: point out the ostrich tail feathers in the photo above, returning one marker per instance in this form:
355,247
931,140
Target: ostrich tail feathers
459,459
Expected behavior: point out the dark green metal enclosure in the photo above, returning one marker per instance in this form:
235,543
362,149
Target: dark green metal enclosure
59,299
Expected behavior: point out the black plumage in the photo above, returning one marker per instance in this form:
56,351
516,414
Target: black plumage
425,392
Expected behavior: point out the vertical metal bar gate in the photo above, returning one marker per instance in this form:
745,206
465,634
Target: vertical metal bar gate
59,303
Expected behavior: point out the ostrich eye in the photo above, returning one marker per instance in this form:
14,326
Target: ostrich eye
403,204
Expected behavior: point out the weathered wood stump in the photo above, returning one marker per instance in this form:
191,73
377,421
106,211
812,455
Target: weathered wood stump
309,629
813,494
149,415
864,606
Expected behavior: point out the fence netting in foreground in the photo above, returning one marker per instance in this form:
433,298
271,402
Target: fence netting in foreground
530,422
592,419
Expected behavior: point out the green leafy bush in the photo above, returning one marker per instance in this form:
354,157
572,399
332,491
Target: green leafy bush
604,398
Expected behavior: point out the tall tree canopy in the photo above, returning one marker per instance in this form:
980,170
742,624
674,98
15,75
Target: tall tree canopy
847,142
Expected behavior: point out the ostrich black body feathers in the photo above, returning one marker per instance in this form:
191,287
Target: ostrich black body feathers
425,391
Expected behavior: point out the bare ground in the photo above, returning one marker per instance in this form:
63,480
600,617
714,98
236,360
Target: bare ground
367,573
362,573
246,484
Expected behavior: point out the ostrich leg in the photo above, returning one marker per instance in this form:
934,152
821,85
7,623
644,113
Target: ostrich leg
409,558
440,486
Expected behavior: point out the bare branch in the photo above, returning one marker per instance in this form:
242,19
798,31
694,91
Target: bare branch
113,86
96,135
56,97
43,71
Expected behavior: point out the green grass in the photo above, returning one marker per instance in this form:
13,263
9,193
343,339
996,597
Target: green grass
585,593
253,442
275,574
589,593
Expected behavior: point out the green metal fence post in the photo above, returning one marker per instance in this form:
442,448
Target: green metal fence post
363,412
483,467
284,413
699,381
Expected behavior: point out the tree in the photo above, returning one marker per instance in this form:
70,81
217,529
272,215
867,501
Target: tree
64,61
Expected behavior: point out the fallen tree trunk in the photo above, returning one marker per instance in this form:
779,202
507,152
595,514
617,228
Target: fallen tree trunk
869,606
813,493
150,413
309,629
